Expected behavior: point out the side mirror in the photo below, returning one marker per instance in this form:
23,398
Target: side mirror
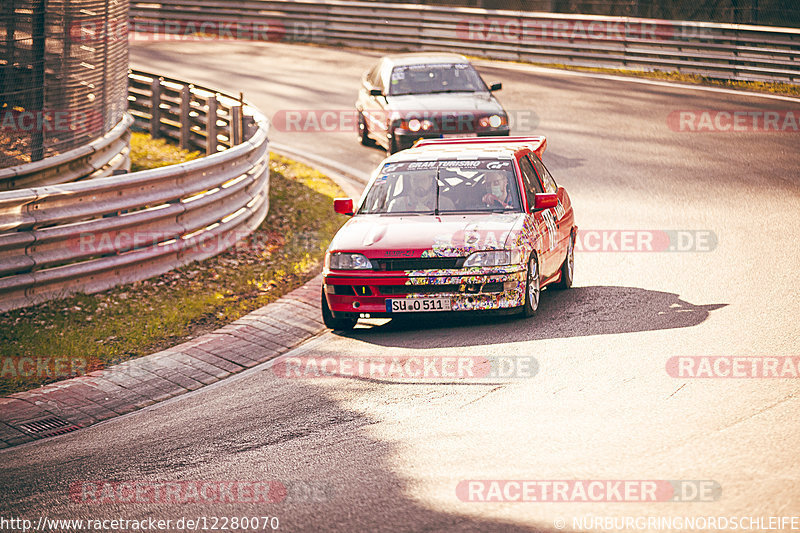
344,206
375,92
495,87
545,200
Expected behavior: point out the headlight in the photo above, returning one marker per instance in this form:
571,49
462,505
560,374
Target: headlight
494,121
346,261
493,258
416,124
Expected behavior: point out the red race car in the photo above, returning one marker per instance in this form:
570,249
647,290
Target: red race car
469,224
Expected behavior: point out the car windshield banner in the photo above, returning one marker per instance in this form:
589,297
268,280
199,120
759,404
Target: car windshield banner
465,164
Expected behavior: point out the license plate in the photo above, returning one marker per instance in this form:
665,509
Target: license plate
457,135
417,305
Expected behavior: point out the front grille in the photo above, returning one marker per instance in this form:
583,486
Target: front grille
417,263
418,289
470,288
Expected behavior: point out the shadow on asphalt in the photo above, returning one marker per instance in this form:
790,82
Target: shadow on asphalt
338,475
578,312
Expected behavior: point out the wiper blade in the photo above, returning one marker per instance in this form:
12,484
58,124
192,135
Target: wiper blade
451,91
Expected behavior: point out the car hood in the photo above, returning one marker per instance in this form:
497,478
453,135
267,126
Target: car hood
445,102
445,235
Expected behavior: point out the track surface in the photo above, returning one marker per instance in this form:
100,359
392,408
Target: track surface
388,456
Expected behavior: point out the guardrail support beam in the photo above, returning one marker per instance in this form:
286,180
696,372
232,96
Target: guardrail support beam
155,108
186,107
211,126
236,124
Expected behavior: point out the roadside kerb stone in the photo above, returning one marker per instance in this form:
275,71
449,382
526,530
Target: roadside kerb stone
102,394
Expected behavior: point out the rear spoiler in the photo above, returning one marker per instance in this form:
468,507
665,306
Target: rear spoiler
537,143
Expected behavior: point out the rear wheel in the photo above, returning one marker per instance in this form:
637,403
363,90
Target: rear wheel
568,267
532,288
339,324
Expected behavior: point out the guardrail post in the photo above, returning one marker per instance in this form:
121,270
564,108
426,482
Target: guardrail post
186,125
155,108
38,28
211,126
236,124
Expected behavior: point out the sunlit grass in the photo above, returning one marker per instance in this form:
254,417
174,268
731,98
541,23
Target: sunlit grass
147,316
147,153
787,89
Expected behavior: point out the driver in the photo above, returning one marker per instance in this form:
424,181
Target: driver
497,193
420,196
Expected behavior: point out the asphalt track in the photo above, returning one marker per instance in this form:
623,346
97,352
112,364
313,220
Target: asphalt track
383,455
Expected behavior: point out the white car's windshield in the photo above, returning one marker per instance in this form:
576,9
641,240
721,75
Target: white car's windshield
433,187
435,78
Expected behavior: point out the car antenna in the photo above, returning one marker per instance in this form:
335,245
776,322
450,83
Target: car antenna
436,207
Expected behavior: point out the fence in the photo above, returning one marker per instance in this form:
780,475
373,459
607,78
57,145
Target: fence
63,82
771,12
91,235
726,51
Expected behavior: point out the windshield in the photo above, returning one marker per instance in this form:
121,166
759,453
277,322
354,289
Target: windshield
466,186
435,78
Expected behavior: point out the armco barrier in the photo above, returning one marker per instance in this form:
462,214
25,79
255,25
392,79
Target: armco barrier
99,158
727,51
90,235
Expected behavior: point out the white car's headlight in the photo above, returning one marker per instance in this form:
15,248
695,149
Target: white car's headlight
493,121
493,258
347,261
415,124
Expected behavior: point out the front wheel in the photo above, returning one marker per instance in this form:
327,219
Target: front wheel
532,288
567,267
363,133
392,146
338,324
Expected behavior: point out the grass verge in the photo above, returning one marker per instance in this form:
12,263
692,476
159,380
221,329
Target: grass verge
88,332
147,153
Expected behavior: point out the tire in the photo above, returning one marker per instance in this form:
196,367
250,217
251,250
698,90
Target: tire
336,324
567,267
392,148
533,289
363,133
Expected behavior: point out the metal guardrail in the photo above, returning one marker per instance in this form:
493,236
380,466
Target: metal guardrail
726,51
91,235
99,158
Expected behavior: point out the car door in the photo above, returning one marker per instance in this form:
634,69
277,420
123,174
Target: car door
542,220
562,213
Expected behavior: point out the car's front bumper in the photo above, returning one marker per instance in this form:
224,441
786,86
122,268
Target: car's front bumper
354,294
